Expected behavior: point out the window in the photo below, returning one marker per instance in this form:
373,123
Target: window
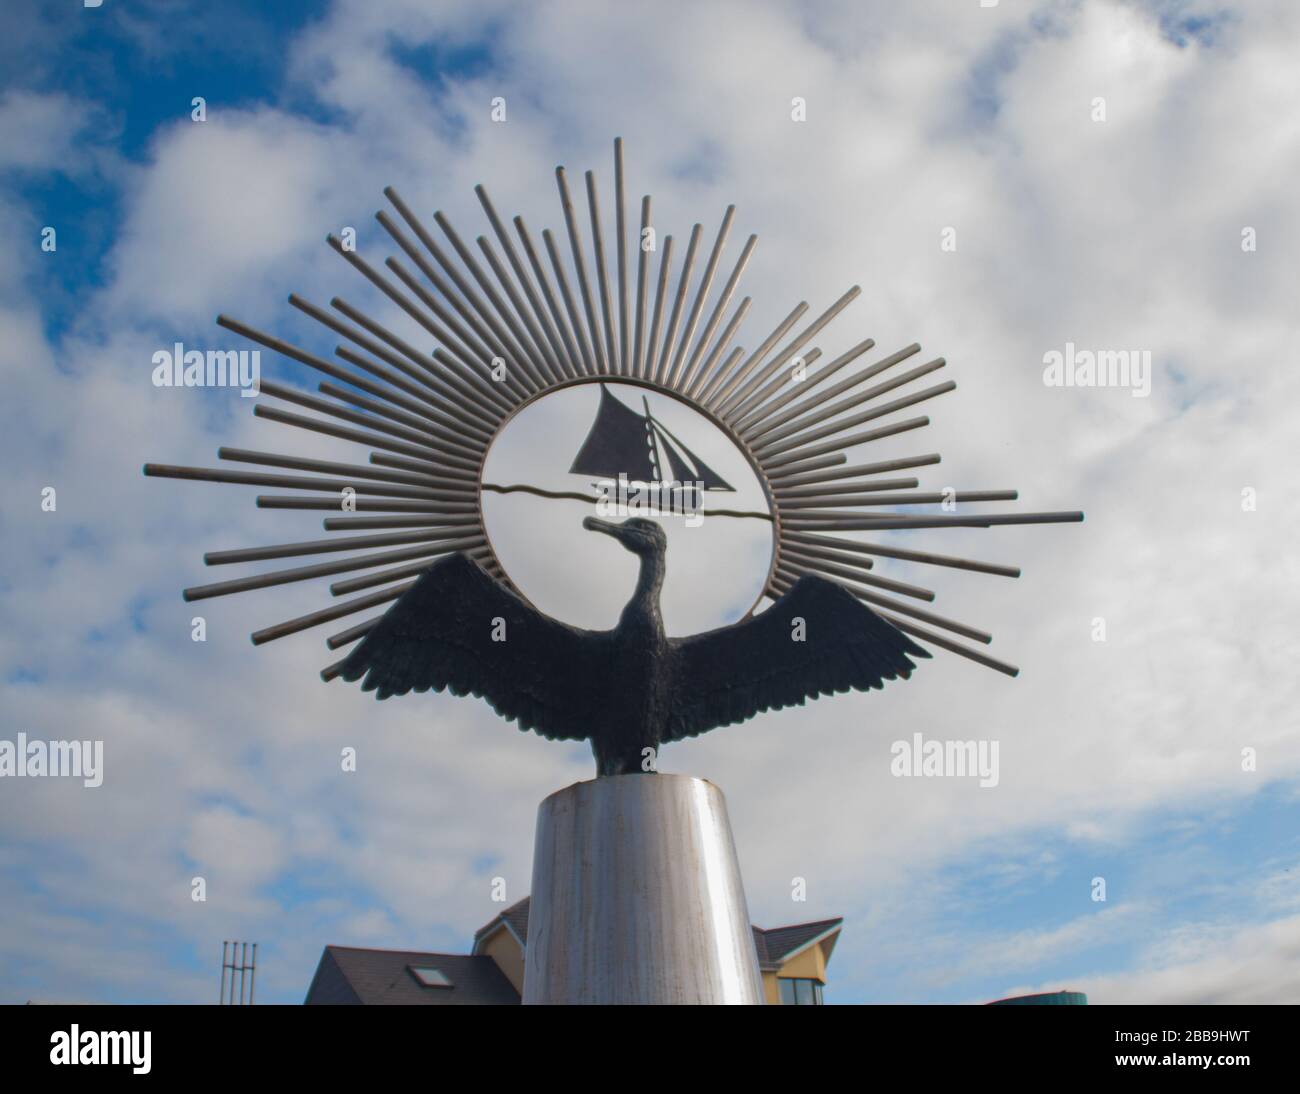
800,992
429,976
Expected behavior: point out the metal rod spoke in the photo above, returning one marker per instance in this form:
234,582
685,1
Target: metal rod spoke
765,418
580,267
822,413
602,279
589,361
695,372
305,573
679,301
328,615
661,293
925,557
571,360
675,374
742,400
718,390
830,429
642,266
332,545
845,471
799,455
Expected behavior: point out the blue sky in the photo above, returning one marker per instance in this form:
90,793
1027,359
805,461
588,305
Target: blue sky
1121,759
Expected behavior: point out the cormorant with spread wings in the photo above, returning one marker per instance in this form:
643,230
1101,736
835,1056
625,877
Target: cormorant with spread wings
631,689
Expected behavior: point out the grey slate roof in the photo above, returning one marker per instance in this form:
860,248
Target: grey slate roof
348,975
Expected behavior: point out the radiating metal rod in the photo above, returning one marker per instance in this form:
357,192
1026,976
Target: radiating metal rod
800,440
336,641
924,498
293,482
890,523
800,455
479,551
364,504
440,373
823,413
331,545
780,473
560,364
345,470
742,399
952,647
420,383
679,301
328,615
719,389
518,384
396,398
346,396
580,267
765,417
304,573
356,524
973,633
829,492
620,225
851,569
572,357
398,573
780,585
589,361
329,429
845,472
642,266
467,302
763,407
726,366
544,365
676,374
661,293
602,279
415,438
457,431
444,476
486,390
477,342
456,440
695,371
698,370
925,557
516,340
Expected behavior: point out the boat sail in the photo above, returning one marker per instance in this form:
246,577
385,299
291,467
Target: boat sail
639,447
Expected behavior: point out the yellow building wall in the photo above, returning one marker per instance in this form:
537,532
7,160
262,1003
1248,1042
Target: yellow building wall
809,965
509,956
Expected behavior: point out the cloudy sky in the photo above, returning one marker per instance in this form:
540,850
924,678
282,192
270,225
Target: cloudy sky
1113,175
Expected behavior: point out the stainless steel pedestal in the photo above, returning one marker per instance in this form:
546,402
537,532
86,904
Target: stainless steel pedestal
637,897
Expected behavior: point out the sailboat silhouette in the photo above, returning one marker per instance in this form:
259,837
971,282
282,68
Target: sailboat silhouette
641,448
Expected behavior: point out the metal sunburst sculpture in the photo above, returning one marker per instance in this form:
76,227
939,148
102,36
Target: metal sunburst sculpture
508,338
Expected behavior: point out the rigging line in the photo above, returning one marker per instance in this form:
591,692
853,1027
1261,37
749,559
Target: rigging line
574,496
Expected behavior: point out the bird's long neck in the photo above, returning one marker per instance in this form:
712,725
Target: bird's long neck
645,598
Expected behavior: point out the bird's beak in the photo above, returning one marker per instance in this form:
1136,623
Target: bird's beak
594,524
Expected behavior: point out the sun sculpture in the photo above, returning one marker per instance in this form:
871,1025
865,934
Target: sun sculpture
517,321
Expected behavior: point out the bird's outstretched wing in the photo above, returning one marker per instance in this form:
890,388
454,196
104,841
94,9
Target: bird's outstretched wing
446,631
729,675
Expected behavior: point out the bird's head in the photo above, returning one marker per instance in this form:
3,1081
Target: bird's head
638,534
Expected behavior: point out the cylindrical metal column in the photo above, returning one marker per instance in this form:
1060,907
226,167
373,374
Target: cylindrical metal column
637,897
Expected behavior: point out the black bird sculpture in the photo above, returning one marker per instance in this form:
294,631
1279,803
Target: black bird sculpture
631,689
